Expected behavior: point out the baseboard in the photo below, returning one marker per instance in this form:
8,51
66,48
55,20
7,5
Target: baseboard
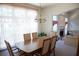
6,49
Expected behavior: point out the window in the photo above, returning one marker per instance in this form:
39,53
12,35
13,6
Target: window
55,23
14,22
66,25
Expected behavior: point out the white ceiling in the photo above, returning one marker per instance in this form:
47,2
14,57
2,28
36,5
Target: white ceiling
43,4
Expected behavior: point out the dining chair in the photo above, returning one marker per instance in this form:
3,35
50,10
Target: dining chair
11,53
34,35
27,38
53,44
45,48
53,34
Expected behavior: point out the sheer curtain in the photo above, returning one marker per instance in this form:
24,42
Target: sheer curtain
14,22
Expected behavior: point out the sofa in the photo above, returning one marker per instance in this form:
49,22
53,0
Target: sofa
71,40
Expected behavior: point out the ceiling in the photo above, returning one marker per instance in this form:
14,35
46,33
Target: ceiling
42,5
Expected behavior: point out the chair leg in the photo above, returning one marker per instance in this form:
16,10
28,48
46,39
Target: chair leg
54,52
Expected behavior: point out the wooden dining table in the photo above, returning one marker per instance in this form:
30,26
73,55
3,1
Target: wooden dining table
33,46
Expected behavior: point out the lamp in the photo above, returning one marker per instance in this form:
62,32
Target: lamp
40,19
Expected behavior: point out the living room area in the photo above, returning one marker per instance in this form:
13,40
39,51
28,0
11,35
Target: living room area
62,19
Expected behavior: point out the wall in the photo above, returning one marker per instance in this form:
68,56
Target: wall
57,9
74,21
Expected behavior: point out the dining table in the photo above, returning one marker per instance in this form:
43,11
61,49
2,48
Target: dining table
33,46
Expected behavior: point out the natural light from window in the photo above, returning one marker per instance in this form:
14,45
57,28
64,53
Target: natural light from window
14,22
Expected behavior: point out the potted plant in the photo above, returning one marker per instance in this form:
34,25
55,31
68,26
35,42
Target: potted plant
42,34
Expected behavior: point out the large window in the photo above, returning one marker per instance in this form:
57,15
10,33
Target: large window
14,22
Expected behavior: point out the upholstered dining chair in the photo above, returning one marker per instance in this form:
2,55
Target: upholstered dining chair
27,38
53,44
45,48
34,35
11,53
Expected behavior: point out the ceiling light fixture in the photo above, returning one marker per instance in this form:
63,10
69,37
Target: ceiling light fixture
40,18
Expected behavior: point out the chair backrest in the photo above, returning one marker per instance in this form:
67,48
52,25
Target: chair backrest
53,33
9,48
34,35
27,38
46,46
53,42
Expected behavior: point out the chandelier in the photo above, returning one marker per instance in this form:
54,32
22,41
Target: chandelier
40,18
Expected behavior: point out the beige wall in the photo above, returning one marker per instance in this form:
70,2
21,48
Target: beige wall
61,21
48,12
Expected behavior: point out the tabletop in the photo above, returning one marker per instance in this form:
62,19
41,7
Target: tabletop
32,46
